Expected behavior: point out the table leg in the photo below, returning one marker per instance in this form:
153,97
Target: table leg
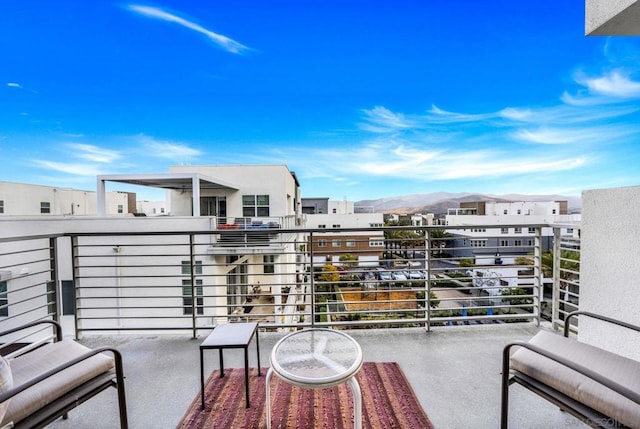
221,363
258,350
357,402
201,380
267,382
246,374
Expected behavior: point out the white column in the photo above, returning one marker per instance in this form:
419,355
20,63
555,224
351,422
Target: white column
100,193
195,195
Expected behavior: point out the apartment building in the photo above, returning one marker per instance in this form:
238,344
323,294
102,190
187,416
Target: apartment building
489,235
329,246
22,199
252,212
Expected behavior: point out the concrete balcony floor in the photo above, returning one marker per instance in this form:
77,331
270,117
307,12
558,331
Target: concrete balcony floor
455,372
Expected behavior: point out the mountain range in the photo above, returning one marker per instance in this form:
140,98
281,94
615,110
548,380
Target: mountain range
439,202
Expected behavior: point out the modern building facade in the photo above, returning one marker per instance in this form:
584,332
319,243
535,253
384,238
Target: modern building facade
367,245
489,234
22,199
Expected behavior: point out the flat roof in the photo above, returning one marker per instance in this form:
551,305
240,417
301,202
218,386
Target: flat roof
173,181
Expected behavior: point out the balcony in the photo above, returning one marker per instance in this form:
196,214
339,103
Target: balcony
448,305
455,372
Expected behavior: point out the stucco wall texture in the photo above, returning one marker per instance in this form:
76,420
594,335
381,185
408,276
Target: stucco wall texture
610,267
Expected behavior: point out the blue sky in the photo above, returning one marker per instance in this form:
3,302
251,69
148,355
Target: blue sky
361,99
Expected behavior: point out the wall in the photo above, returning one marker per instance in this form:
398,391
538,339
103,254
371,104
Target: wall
609,262
612,17
21,199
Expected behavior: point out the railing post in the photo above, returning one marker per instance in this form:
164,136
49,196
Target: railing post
555,300
427,262
538,284
192,262
53,260
312,278
75,277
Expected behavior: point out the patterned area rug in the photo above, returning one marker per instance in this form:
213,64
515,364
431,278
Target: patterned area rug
388,401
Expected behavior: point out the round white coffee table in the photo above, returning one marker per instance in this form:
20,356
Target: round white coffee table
317,358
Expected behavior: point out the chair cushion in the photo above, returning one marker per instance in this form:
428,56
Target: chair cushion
619,369
30,365
6,382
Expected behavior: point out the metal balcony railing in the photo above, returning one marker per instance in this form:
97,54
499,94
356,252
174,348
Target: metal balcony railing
349,278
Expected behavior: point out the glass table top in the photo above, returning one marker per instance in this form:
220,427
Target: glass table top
316,357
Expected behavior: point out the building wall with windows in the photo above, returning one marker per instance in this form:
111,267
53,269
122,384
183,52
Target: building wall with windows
21,199
484,236
152,208
257,191
367,245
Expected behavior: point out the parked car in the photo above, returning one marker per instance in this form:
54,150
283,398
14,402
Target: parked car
384,275
398,275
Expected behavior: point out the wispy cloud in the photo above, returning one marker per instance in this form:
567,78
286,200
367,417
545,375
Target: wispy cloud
14,85
382,120
222,41
94,153
438,115
76,169
613,84
176,152
608,88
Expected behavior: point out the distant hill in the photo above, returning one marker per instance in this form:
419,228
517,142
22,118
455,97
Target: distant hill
439,202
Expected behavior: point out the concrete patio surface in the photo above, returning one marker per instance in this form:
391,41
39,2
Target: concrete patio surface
454,371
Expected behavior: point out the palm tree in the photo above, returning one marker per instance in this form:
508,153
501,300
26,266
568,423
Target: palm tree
438,238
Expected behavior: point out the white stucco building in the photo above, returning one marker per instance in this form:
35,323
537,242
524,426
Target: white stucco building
22,199
488,228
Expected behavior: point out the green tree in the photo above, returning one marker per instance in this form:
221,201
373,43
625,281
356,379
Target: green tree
329,274
466,262
349,260
569,260
438,240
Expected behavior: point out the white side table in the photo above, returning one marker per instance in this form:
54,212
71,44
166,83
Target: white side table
317,358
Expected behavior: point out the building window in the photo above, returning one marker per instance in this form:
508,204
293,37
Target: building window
187,297
532,230
529,242
478,243
376,242
350,243
517,243
336,243
504,243
323,226
45,207
519,211
269,264
569,230
1,206
335,211
4,300
505,212
504,230
517,230
255,205
336,225
322,243
120,208
375,225
553,211
161,209
186,267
